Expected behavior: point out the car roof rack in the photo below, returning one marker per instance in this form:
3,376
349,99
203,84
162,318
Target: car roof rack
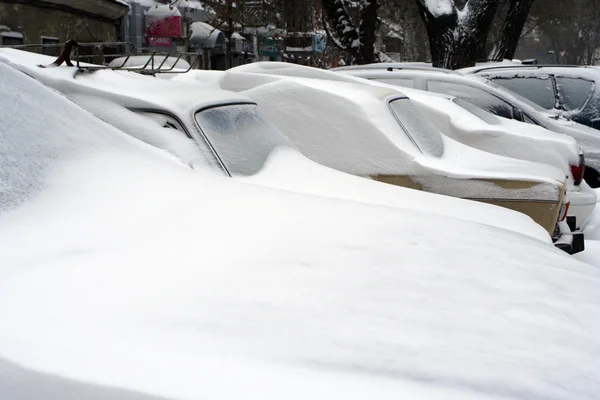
390,67
151,67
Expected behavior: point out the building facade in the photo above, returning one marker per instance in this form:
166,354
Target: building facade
52,22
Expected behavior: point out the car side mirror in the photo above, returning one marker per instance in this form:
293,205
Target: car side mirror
518,114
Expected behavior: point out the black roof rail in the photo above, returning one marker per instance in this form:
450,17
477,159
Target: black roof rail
528,66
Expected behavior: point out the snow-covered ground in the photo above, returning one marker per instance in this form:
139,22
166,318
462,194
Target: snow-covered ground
591,254
124,274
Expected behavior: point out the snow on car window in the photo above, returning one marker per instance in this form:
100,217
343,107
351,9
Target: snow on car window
409,83
477,96
574,91
537,89
425,136
241,137
478,112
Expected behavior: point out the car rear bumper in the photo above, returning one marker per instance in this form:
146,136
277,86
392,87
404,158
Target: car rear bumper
582,205
568,241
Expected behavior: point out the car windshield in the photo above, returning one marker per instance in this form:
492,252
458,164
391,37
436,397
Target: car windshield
478,112
517,96
424,135
240,136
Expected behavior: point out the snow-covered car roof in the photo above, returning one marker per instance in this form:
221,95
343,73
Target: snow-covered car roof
139,89
550,68
128,270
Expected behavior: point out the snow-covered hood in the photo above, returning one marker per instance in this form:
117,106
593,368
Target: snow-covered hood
142,90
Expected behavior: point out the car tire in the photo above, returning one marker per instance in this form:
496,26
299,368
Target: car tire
592,177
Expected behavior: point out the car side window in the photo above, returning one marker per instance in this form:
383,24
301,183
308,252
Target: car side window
165,120
528,120
240,136
404,82
540,90
574,91
479,97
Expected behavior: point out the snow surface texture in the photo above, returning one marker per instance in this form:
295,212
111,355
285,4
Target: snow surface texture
143,275
288,169
437,8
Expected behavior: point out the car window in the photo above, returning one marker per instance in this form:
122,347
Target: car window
166,121
534,106
574,91
421,131
409,83
478,112
539,90
241,137
479,97
529,120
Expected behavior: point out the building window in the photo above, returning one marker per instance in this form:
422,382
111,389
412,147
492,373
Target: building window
52,50
11,38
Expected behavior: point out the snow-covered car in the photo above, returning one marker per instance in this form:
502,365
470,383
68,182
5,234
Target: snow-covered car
480,129
569,91
212,129
379,133
124,275
470,125
491,97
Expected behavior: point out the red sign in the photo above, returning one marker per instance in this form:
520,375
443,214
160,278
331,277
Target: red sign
160,41
165,27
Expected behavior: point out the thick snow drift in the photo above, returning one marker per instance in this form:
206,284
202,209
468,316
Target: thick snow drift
130,270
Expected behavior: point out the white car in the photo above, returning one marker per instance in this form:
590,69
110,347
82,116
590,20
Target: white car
489,96
468,124
126,275
357,128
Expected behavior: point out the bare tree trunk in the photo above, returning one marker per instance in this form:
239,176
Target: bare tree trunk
356,39
367,33
512,28
455,36
338,24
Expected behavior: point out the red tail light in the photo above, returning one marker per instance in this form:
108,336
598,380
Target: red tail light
578,170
